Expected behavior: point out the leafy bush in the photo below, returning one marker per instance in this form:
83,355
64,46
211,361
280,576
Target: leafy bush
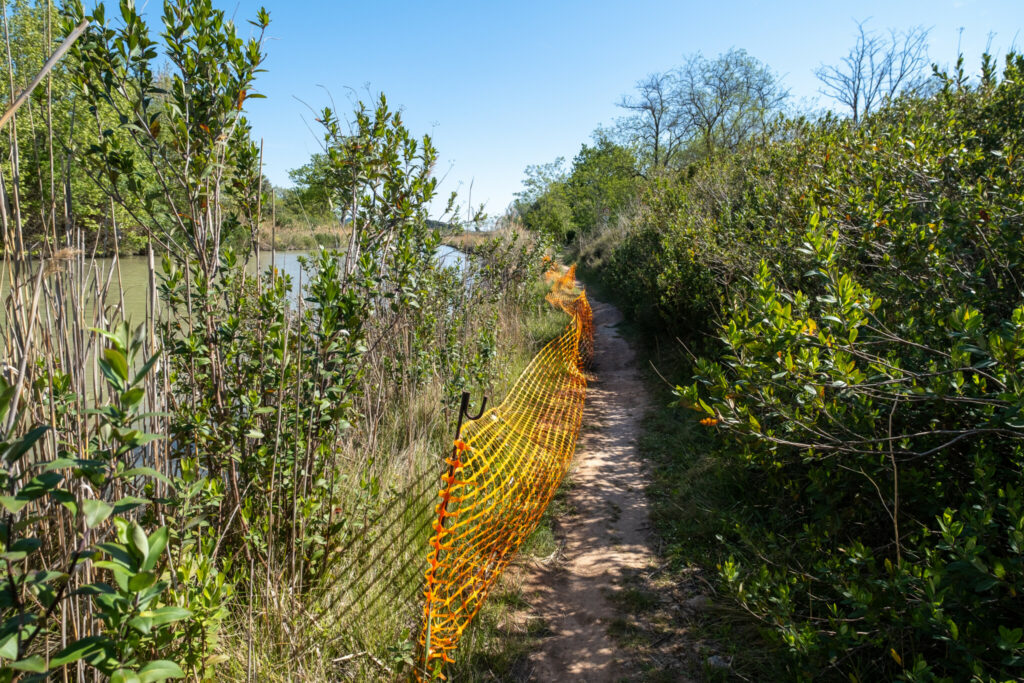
567,207
104,500
855,292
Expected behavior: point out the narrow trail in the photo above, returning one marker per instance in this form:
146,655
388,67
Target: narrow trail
606,536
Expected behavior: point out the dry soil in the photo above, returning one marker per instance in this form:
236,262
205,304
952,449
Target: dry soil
605,538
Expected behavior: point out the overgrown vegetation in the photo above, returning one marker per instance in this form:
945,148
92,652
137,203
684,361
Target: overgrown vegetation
846,297
239,486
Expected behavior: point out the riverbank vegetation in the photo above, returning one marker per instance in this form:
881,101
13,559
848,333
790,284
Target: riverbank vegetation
838,299
240,485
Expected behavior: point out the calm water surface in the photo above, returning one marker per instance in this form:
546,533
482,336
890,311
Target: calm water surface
134,274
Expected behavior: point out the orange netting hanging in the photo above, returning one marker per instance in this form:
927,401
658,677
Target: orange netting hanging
504,471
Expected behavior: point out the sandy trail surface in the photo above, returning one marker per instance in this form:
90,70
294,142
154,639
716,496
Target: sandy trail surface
606,536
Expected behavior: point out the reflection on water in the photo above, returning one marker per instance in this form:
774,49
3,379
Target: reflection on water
451,257
133,275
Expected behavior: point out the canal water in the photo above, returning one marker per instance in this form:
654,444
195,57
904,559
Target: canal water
134,275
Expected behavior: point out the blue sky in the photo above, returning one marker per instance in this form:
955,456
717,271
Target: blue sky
502,85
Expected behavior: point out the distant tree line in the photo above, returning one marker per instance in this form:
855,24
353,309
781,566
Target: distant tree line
705,107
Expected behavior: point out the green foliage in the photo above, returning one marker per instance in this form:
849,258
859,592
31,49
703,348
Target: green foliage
180,150
695,234
102,491
543,204
550,215
855,294
507,261
309,201
270,457
251,499
49,135
600,186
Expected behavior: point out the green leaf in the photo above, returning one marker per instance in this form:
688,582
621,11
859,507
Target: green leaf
12,503
95,511
42,484
9,646
96,589
160,670
118,553
142,623
141,581
21,549
132,397
139,541
124,676
109,335
1009,637
167,615
138,438
59,464
84,648
45,576
35,488
146,472
121,575
129,503
157,542
22,445
144,370
34,664
118,366
985,584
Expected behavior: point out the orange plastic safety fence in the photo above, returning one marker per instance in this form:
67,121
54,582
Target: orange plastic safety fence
503,473
565,296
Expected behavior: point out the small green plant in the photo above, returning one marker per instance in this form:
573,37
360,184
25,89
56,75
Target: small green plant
129,567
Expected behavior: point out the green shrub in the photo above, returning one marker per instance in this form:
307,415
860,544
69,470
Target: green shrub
855,293
881,404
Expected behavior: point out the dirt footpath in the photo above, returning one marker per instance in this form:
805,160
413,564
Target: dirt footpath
605,539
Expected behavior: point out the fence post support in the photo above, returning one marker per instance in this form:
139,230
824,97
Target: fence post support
463,414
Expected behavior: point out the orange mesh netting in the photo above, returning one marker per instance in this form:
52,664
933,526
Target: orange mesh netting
503,473
564,295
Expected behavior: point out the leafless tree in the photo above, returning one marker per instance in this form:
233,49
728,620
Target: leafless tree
656,120
877,68
728,100
704,105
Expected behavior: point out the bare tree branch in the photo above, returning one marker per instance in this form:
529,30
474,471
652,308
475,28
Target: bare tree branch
657,120
876,69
